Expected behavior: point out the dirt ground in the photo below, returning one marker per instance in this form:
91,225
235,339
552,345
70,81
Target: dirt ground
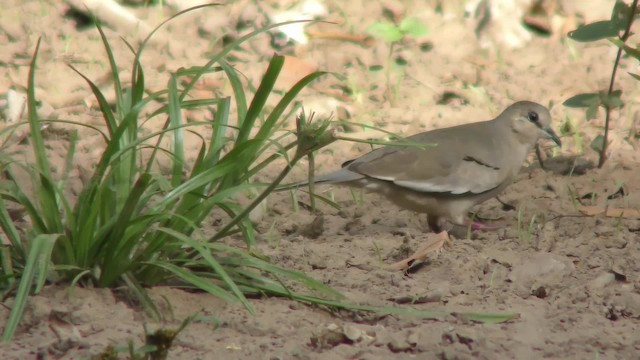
573,279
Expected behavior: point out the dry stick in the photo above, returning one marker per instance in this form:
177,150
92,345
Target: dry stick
607,108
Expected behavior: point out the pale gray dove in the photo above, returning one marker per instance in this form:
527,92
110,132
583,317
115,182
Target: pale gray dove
466,165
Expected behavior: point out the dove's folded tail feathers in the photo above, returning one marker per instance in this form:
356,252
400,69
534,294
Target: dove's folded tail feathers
340,176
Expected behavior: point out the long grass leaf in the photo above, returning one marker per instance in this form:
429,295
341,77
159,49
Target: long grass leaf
42,160
218,139
240,219
187,105
45,193
142,296
260,98
17,195
105,108
276,114
117,246
175,119
195,280
10,231
7,280
115,74
215,266
238,90
146,40
35,270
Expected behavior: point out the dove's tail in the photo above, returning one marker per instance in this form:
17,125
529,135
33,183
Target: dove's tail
336,177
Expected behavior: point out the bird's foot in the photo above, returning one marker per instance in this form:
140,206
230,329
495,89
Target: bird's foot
434,245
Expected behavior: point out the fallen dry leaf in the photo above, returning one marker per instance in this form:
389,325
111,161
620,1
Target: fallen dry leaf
625,213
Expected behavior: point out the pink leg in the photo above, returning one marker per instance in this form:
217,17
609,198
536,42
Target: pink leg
476,225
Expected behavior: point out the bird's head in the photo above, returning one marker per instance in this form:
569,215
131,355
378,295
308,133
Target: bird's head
530,121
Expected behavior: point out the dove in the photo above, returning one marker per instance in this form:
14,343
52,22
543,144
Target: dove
458,167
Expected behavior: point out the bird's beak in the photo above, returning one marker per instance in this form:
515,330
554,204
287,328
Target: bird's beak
549,133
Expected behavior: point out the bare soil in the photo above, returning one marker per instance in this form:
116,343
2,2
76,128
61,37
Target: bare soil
569,268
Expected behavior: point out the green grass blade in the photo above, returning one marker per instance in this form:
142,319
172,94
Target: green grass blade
203,178
212,263
187,105
115,75
276,114
42,160
142,296
195,280
137,78
175,120
10,231
68,161
7,280
238,91
245,260
46,191
260,98
146,40
35,269
105,108
18,196
220,126
119,247
241,220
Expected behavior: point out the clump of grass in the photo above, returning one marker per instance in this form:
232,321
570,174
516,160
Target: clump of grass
133,226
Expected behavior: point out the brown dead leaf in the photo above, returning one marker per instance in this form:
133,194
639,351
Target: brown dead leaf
433,246
625,213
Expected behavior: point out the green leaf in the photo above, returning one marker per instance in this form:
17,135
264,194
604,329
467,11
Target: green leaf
633,52
620,15
412,26
400,61
592,111
595,31
598,143
582,100
375,68
385,30
613,100
635,76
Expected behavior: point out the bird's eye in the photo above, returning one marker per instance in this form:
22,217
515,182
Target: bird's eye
532,116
